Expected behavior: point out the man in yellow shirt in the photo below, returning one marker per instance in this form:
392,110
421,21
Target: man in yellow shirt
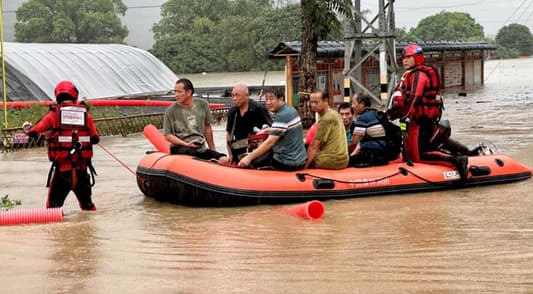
329,148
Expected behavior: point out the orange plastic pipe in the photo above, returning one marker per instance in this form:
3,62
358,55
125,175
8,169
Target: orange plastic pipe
311,134
309,210
156,138
32,215
107,103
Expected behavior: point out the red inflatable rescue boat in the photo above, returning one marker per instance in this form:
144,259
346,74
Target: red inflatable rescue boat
189,181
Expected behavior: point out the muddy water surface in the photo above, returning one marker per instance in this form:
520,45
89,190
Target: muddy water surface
471,240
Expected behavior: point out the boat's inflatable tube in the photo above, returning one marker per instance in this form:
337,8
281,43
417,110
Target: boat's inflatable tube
309,210
156,138
185,180
33,215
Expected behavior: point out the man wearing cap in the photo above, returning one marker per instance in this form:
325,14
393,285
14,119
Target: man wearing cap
70,133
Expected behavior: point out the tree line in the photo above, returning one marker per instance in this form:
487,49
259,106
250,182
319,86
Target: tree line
235,35
511,41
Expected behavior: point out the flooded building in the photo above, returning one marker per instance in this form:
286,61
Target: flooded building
460,64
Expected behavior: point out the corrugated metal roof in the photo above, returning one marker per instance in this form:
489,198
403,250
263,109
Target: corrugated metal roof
336,48
97,70
449,46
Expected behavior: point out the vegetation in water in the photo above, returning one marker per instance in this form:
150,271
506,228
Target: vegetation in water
7,203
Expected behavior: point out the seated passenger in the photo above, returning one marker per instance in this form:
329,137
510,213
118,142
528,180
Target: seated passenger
187,125
284,147
243,117
347,113
369,134
329,148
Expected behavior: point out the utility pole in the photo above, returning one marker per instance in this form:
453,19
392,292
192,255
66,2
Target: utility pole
377,41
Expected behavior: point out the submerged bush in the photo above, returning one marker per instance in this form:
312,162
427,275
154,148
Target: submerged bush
7,203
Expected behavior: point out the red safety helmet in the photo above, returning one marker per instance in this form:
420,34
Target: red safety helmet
416,51
65,90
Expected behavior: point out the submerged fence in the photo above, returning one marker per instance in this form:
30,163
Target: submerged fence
14,138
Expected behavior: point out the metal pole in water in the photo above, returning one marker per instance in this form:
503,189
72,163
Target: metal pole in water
3,65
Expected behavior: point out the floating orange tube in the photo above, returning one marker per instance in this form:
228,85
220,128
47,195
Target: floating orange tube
156,138
311,134
310,210
33,215
108,103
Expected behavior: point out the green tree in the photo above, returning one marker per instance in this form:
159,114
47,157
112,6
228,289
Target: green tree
447,26
319,19
221,35
272,27
504,52
401,35
516,36
71,21
186,36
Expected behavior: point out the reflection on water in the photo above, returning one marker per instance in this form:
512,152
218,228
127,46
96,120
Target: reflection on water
500,112
470,240
74,254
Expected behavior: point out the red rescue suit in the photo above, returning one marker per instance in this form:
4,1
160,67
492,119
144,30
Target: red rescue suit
70,132
418,101
421,89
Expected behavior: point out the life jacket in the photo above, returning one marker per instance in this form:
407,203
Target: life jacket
431,104
69,142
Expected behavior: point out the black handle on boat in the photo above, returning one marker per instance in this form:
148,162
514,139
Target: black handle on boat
300,177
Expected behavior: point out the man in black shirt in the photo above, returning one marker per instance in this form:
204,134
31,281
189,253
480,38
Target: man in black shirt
243,117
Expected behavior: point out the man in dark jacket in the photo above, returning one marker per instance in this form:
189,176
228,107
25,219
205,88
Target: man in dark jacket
245,118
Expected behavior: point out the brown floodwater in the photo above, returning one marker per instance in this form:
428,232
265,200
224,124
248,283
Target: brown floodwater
471,240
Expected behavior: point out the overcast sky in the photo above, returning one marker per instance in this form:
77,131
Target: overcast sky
491,14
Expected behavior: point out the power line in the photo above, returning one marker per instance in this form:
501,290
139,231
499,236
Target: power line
529,17
524,11
524,1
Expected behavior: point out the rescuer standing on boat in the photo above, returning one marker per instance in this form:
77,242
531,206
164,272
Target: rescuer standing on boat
71,134
418,100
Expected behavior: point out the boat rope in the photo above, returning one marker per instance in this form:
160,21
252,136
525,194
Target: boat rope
401,170
118,160
301,178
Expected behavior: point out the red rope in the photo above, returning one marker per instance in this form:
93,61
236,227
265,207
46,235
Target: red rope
118,160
